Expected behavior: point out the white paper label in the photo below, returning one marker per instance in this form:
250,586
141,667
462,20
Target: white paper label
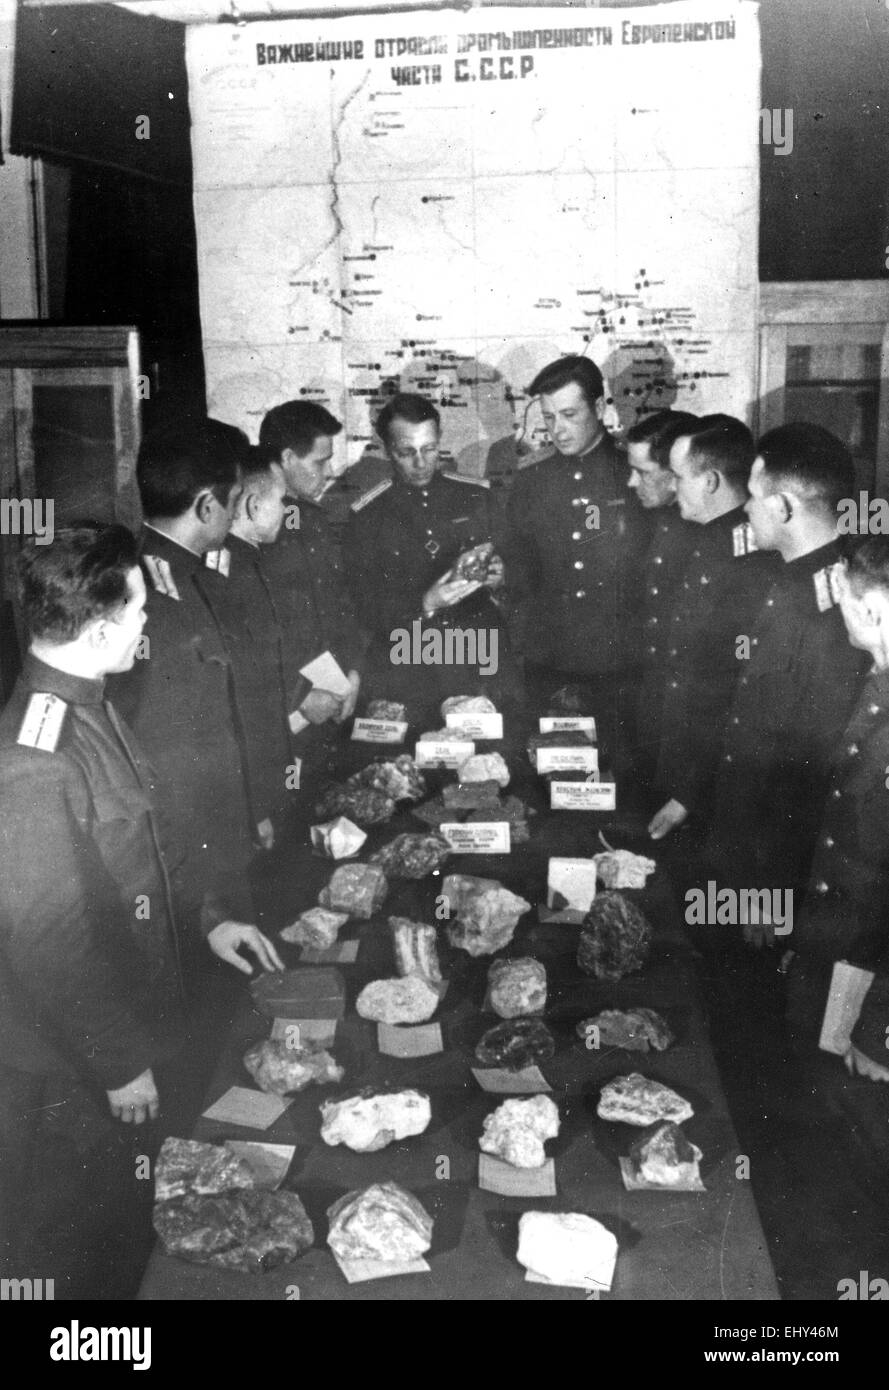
573,724
379,730
325,673
450,754
476,725
582,796
488,837
568,759
575,880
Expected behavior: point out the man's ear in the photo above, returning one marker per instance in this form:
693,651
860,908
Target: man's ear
203,506
600,409
247,506
786,507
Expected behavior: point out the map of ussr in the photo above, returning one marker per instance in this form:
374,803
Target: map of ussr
446,201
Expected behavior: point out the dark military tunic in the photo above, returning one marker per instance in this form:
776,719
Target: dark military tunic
790,707
246,612
723,586
399,541
180,702
574,558
845,915
668,551
305,570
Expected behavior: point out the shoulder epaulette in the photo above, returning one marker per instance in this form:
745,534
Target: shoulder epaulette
42,722
160,575
369,496
219,560
742,539
461,478
826,581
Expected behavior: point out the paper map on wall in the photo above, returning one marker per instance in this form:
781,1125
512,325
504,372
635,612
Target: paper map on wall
446,201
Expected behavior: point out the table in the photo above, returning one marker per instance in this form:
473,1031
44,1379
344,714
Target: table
672,1246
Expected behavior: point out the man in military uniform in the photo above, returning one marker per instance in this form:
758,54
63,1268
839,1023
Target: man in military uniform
403,542
90,982
845,915
648,457
247,614
722,588
794,696
179,696
305,565
574,553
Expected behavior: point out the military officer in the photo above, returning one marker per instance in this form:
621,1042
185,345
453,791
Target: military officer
245,608
89,949
403,539
179,696
305,565
794,696
575,544
723,585
648,457
845,915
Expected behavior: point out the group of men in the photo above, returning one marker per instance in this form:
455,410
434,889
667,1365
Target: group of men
184,692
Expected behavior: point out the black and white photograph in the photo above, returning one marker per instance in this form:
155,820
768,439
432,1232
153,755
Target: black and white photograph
444,662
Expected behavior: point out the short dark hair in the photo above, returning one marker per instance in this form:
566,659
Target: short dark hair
660,431
258,469
296,425
582,371
177,463
868,564
80,576
723,443
408,406
809,462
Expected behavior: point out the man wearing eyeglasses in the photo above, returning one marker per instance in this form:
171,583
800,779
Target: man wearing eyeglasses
407,555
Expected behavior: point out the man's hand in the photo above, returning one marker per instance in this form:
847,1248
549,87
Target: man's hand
321,705
496,573
351,700
857,1064
225,939
136,1102
671,814
447,591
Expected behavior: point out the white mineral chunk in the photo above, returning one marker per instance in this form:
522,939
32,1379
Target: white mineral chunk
517,1129
567,1248
408,1000
368,1123
316,928
484,767
636,1100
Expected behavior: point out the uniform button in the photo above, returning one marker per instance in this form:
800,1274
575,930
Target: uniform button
873,709
658,560
673,651
770,603
705,579
736,720
743,680
575,535
578,564
577,477
727,758
685,586
651,651
755,642
652,591
653,621
829,841
836,793
852,749
821,887
576,502
674,685
696,554
581,593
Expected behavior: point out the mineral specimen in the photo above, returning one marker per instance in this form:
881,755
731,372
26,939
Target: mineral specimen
416,950
615,938
411,856
316,928
246,1230
399,779
185,1165
383,1223
516,1045
388,710
458,797
404,1000
484,767
370,1121
358,889
667,1158
486,913
636,1100
636,1030
516,1131
516,987
619,868
281,1069
467,704
363,805
567,1248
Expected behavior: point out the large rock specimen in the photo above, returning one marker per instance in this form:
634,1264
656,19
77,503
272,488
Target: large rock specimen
411,856
402,1000
370,1121
486,913
516,1131
416,948
317,928
567,1248
383,1223
635,1031
615,938
245,1230
280,1069
667,1158
515,1045
636,1100
517,987
358,889
186,1165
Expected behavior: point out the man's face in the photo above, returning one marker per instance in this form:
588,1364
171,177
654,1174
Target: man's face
692,488
856,613
653,485
764,508
121,632
268,509
413,451
308,477
573,424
